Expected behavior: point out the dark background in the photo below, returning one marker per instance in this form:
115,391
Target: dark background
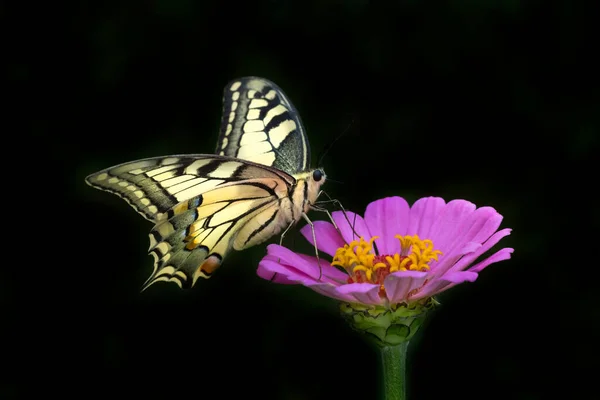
494,102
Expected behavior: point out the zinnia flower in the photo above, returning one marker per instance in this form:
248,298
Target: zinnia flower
385,268
396,258
395,254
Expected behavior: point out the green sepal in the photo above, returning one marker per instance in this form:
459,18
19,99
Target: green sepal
387,326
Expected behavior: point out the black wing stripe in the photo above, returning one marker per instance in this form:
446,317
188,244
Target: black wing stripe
258,119
262,227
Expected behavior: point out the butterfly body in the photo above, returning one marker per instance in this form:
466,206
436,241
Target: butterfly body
204,205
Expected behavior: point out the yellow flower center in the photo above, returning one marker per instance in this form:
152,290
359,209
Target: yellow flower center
364,266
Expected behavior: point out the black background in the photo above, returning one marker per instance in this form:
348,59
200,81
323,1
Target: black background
493,102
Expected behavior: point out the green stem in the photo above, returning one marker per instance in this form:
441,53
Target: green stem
394,370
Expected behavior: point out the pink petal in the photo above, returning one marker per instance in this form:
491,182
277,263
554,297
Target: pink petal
446,282
500,255
295,266
491,222
273,277
450,225
442,283
346,225
328,238
364,293
423,214
271,270
329,290
386,218
480,225
475,227
464,262
399,284
288,274
325,289
460,277
470,247
327,270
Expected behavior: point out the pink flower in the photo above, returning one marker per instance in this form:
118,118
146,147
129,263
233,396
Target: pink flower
418,251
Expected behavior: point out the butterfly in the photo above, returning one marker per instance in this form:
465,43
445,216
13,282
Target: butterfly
203,206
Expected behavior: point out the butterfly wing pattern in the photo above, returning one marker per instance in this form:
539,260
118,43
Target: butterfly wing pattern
204,205
260,124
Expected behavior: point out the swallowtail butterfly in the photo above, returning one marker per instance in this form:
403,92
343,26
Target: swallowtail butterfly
203,206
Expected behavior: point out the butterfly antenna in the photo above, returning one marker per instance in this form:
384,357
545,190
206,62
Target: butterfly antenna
334,180
330,145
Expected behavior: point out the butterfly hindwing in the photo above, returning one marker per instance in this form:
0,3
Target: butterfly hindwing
198,234
260,124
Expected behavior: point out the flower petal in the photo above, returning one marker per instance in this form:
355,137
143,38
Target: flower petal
442,283
326,269
352,221
423,214
295,266
460,277
386,218
364,293
500,255
477,229
399,284
269,266
328,238
449,280
463,225
452,221
330,291
464,262
470,247
271,270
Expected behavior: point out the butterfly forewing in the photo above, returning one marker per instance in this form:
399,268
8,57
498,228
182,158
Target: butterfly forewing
154,185
199,204
260,124
144,184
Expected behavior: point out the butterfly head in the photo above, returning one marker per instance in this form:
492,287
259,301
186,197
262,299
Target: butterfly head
318,176
314,180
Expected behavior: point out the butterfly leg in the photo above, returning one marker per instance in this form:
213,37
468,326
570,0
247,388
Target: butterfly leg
285,232
281,244
312,228
317,207
321,209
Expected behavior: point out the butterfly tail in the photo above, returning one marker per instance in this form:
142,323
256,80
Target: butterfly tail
176,258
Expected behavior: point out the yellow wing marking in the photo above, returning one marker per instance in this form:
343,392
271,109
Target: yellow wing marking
260,124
